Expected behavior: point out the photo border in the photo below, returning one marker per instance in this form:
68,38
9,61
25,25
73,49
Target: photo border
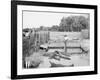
14,39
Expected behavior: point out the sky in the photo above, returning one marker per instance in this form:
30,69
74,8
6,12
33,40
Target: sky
47,19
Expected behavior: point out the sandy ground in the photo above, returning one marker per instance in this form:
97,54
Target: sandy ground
80,60
76,60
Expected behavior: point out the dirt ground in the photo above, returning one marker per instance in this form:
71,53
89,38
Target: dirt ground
82,59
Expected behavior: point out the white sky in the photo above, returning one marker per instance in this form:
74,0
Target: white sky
37,19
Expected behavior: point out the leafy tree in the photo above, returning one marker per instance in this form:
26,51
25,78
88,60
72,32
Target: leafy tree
55,28
41,27
26,29
74,23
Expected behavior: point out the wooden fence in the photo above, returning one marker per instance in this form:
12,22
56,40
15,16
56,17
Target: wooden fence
38,38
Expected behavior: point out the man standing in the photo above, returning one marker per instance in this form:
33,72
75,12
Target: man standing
65,42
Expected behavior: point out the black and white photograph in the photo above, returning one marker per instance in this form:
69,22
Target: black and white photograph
53,39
